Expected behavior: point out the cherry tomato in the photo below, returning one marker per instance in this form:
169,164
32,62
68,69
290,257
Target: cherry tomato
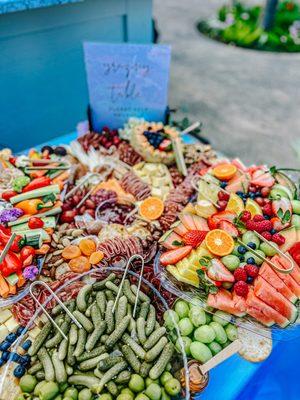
8,195
26,252
35,223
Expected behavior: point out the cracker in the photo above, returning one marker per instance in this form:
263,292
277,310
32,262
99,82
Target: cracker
254,347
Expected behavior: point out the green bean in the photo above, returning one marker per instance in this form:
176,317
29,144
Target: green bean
63,349
151,319
95,336
142,296
82,335
112,388
145,368
96,315
101,302
47,364
40,339
139,351
123,377
140,326
101,285
154,337
73,334
35,368
121,309
131,358
109,317
127,292
109,362
59,368
116,335
92,362
144,309
91,354
162,362
110,374
85,322
84,380
156,350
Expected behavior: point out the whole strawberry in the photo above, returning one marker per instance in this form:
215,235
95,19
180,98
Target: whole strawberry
240,275
251,270
241,288
194,237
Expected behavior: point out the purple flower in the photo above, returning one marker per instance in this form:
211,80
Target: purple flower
30,272
9,215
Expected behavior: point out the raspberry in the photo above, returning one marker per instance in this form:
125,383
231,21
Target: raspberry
278,239
246,216
260,226
194,237
251,225
241,288
251,270
267,209
260,201
258,218
267,235
240,275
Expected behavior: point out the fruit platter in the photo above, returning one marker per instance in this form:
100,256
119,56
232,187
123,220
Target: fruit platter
125,276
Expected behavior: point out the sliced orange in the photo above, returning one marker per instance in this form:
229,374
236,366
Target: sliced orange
225,172
151,208
219,242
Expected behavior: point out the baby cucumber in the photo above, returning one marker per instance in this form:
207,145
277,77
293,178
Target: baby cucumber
131,358
116,335
145,368
85,322
57,338
121,309
35,368
109,317
112,388
63,349
140,327
156,350
110,374
162,362
47,364
127,292
101,302
144,309
101,284
82,297
95,335
109,362
96,314
123,377
138,350
142,296
91,363
71,360
111,286
154,337
151,319
109,294
79,349
73,334
59,368
40,339
84,380
91,354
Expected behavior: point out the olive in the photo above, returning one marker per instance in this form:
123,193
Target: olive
60,151
47,148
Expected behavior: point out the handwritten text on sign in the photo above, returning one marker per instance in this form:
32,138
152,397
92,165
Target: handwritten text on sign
126,80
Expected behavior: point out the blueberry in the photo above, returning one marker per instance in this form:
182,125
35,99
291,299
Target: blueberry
20,330
19,371
242,249
240,194
250,279
5,355
60,151
26,344
25,360
252,196
15,357
48,148
11,337
252,245
273,231
5,346
2,362
267,216
257,194
250,260
223,185
242,258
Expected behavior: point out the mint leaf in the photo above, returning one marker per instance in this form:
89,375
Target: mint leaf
207,285
177,243
287,216
273,170
280,213
205,261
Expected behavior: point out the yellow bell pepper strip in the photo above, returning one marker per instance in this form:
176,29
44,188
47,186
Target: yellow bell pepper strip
32,206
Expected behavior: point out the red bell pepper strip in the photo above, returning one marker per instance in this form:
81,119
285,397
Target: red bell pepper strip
8,195
17,244
10,265
37,183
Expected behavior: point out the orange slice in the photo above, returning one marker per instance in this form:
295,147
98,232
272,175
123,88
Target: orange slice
225,172
219,242
151,208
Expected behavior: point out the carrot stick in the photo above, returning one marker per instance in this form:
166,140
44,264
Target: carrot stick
4,289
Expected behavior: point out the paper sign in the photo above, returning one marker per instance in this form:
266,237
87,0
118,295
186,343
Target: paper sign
126,80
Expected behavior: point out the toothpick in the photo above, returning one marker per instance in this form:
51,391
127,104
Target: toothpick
190,128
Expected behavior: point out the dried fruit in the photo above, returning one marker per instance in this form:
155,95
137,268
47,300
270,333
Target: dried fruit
96,257
80,264
71,252
87,246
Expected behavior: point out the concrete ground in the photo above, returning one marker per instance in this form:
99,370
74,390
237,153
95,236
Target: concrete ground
248,101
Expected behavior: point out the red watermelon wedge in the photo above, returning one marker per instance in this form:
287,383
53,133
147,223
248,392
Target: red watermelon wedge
223,301
265,292
287,278
285,264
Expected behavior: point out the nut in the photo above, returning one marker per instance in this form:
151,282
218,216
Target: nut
55,237
77,232
58,262
65,242
57,252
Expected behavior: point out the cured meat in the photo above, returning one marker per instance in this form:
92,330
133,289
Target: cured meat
131,183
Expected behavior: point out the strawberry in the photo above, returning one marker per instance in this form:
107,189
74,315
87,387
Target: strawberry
260,226
278,239
278,225
241,288
173,256
251,270
229,228
240,275
246,216
263,180
258,218
194,238
218,272
282,208
214,219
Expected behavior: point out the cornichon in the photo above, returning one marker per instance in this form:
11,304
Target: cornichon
85,322
154,337
96,314
111,286
91,354
142,296
40,339
71,360
79,349
121,309
84,380
145,368
59,368
140,327
127,292
81,300
116,335
110,374
109,362
91,363
57,338
47,364
123,377
101,285
109,294
144,309
58,309
109,317
131,358
162,362
112,388
35,368
63,349
40,375
73,334
152,354
139,351
151,319
95,335
101,302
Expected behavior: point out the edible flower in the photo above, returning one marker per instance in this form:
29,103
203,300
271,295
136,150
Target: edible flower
9,215
30,272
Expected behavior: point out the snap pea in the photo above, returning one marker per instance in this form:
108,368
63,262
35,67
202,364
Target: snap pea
121,309
154,337
139,351
111,286
101,302
59,368
151,319
142,296
145,368
91,363
40,339
82,335
123,377
156,350
131,358
96,314
109,317
35,368
63,349
57,338
101,284
110,374
109,362
116,335
127,292
144,309
112,388
73,334
45,359
84,380
85,322
95,335
162,362
140,326
91,354
82,297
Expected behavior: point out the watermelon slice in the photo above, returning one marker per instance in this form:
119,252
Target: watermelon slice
239,164
291,235
170,240
263,180
265,292
263,312
218,272
287,278
285,264
200,223
188,221
173,256
179,228
223,301
238,184
273,279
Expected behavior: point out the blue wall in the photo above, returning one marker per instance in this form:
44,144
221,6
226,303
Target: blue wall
43,90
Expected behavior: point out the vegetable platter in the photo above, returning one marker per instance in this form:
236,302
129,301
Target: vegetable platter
219,243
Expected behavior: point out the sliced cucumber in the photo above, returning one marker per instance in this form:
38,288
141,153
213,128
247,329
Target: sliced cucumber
55,189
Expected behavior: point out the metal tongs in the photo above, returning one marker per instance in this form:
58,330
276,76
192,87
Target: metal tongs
36,283
135,256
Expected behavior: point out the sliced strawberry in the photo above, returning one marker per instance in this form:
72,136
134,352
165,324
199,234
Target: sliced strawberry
173,256
278,225
282,208
263,180
218,272
216,218
194,238
229,228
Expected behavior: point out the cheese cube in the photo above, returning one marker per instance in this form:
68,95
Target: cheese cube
5,315
11,324
3,332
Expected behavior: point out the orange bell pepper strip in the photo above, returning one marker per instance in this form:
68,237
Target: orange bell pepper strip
4,288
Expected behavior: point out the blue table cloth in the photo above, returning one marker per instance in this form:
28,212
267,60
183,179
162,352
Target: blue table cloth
276,378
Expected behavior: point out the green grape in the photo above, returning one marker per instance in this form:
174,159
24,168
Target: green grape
221,317
250,236
171,319
232,332
182,309
231,262
200,352
185,327
258,261
186,344
215,347
221,336
204,334
268,250
197,316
